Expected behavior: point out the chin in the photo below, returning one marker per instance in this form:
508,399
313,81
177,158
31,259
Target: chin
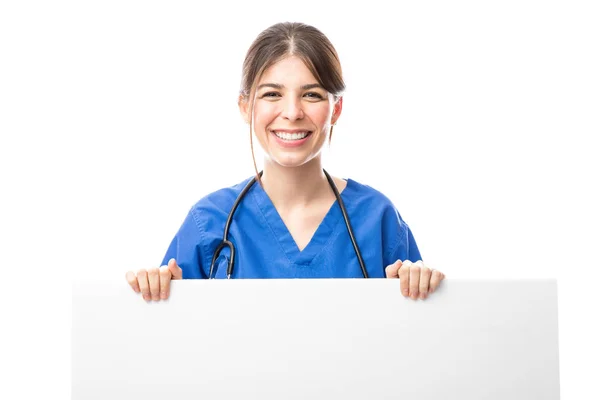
290,161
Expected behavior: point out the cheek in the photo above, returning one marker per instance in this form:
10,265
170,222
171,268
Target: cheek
320,114
264,114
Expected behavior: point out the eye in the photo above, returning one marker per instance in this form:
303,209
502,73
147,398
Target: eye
314,95
270,95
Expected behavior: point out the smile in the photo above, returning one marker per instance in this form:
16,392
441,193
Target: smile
291,136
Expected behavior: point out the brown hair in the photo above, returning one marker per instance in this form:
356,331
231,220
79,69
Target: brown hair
285,39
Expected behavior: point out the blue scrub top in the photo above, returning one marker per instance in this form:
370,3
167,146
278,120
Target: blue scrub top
266,249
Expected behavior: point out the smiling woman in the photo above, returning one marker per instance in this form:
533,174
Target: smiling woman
297,221
292,113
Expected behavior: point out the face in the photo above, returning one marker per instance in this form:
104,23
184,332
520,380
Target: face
292,113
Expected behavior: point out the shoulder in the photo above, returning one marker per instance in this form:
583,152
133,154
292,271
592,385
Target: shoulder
371,204
378,215
364,196
220,201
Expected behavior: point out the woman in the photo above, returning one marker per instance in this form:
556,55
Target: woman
289,222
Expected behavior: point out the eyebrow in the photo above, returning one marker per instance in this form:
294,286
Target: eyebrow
280,86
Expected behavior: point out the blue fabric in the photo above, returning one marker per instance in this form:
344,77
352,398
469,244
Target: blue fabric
266,249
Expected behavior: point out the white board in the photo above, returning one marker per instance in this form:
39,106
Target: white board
316,339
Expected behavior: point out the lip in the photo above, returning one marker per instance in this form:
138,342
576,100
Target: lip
290,144
290,130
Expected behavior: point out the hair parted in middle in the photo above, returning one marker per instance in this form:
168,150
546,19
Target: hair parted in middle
290,39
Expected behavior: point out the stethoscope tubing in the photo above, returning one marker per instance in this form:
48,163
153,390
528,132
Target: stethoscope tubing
227,243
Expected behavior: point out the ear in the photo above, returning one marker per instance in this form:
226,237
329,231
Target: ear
337,110
244,106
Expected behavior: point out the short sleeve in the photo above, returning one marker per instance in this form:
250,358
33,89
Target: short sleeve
406,246
413,253
185,248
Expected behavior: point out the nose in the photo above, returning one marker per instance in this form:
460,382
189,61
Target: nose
292,109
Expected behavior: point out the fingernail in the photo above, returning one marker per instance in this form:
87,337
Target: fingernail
163,295
405,292
146,297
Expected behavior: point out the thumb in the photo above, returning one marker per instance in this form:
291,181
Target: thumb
176,272
391,271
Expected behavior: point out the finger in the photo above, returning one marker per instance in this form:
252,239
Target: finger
403,274
142,277
424,282
154,282
164,275
436,279
176,271
133,282
391,271
415,275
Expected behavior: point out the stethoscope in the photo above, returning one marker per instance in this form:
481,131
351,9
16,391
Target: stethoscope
229,244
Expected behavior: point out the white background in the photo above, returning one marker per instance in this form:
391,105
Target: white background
116,116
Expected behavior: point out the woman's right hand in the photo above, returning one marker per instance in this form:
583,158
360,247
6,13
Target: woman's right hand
155,283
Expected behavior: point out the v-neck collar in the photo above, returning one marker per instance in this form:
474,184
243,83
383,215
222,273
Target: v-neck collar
281,234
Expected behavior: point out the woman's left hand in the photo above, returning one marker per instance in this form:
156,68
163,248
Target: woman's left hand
416,280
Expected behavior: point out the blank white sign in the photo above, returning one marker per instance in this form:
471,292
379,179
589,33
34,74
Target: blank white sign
316,339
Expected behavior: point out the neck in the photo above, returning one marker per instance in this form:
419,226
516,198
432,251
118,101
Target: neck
289,188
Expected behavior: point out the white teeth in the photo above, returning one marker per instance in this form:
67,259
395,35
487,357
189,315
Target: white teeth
291,136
